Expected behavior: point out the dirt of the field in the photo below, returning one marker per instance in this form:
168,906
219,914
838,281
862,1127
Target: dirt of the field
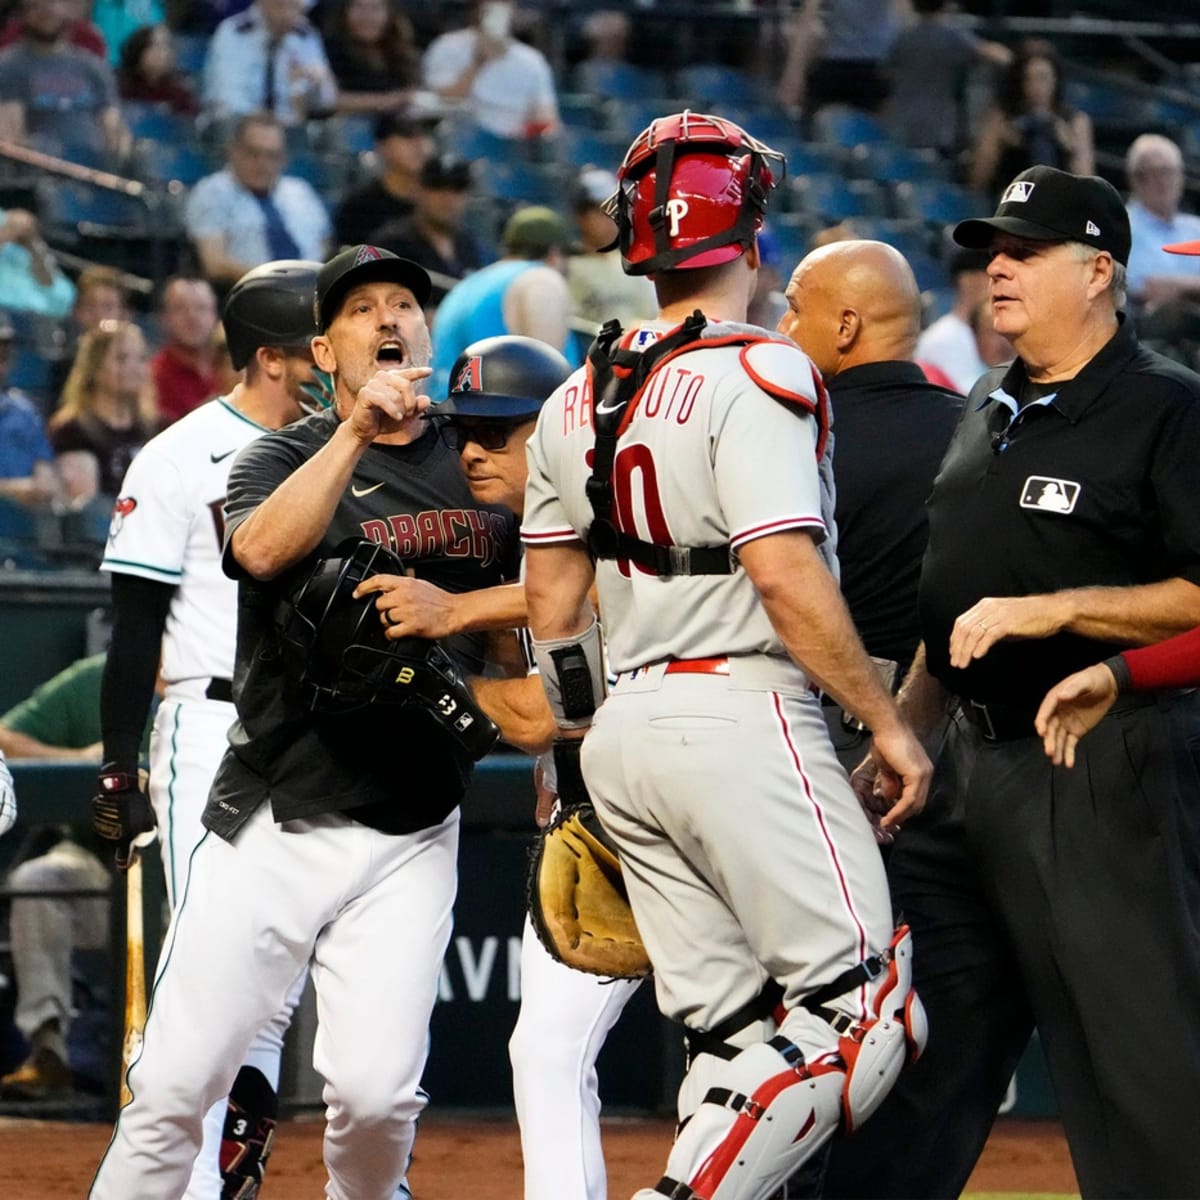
464,1159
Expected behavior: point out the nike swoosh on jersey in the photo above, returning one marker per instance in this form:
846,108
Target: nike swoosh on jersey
220,457
364,491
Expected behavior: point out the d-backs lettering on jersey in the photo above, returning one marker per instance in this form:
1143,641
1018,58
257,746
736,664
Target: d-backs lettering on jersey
471,533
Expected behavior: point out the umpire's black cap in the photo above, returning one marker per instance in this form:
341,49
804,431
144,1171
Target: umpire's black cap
365,264
1044,204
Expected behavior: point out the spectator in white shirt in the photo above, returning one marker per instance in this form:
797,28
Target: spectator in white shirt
949,343
269,58
251,212
508,86
1160,284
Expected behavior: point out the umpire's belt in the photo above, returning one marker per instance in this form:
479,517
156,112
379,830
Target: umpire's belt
999,722
219,689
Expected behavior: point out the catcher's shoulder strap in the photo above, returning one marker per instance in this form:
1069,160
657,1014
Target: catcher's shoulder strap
619,375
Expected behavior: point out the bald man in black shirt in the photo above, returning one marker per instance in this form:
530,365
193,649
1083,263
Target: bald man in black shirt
855,309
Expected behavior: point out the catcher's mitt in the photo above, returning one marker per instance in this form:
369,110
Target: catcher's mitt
577,899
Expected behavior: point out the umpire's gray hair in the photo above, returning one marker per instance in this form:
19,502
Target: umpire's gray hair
1117,284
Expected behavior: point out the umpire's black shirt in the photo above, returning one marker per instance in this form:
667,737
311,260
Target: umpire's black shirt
1096,484
891,429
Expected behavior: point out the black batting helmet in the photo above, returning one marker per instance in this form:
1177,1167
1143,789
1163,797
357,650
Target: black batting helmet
271,306
339,656
506,377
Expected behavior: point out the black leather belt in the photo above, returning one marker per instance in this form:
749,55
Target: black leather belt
220,689
999,722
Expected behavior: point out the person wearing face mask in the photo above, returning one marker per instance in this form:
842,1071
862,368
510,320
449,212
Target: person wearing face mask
507,86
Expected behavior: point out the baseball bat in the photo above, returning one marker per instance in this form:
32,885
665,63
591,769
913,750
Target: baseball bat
135,972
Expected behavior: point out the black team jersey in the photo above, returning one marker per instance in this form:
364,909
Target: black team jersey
391,767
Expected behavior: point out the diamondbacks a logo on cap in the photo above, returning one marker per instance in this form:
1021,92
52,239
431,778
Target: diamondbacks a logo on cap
1018,192
470,378
1092,229
366,254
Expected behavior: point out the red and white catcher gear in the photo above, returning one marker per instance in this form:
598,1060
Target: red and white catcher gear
768,1108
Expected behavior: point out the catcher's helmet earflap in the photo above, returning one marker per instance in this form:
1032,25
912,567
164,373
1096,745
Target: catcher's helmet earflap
270,306
691,192
340,658
506,378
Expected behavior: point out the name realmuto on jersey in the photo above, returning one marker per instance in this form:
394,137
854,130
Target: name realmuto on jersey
451,532
670,395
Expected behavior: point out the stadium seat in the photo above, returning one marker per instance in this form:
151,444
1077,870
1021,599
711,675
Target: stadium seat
709,85
157,123
813,158
190,52
833,198
522,183
940,203
578,147
847,126
73,210
164,162
472,143
909,236
891,162
615,80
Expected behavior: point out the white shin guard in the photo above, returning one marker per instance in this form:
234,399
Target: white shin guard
765,1114
767,1110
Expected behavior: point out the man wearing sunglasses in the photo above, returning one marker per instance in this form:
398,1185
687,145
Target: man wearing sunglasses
497,388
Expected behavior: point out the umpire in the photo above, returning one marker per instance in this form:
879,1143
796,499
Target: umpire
1063,527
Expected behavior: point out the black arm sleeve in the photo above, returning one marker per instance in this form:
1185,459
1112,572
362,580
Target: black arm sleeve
139,618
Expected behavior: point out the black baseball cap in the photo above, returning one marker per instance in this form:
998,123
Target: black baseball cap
365,264
400,124
447,172
1044,204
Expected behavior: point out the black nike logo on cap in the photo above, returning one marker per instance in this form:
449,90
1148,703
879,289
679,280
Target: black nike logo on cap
218,457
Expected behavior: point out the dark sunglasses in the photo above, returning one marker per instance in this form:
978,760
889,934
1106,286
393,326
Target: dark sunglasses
487,435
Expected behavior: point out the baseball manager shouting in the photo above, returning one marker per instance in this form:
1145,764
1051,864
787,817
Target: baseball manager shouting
1064,527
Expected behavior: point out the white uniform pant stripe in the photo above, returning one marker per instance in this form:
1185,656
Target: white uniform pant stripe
373,913
830,847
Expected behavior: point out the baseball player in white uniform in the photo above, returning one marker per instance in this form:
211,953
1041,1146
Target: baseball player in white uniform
497,388
685,472
164,553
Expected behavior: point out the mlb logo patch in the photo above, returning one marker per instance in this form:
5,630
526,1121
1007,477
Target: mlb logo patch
1018,192
1050,495
643,338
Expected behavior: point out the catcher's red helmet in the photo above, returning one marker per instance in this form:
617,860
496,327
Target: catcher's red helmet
691,192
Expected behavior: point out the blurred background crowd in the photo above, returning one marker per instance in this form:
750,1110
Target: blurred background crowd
151,151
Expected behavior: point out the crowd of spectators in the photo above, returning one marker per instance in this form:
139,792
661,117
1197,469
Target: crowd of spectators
276,81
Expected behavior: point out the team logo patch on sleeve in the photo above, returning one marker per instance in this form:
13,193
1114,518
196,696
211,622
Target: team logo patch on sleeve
123,507
1050,495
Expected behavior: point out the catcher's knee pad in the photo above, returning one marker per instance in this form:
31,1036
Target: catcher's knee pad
874,1050
766,1112
248,1134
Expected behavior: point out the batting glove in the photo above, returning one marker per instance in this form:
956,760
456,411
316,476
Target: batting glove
120,812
